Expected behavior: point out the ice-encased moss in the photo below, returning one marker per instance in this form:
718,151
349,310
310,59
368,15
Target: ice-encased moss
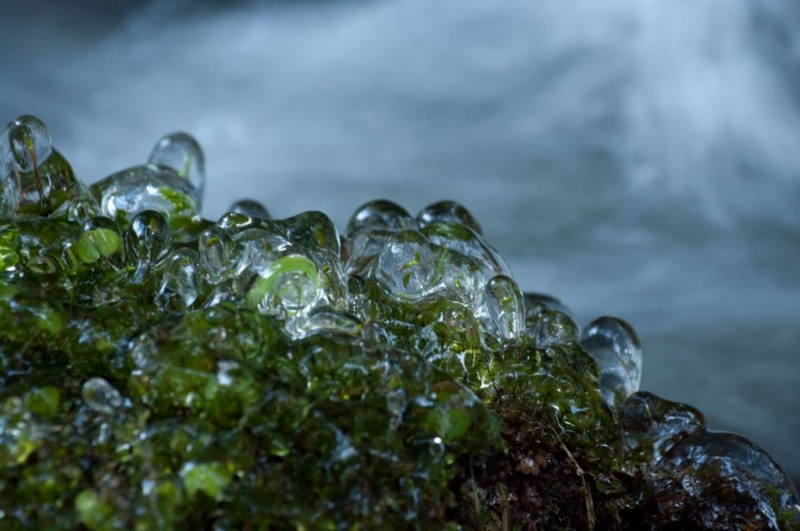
159,370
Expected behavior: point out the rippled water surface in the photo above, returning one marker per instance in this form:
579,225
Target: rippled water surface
633,158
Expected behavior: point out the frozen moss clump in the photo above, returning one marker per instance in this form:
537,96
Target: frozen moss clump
159,370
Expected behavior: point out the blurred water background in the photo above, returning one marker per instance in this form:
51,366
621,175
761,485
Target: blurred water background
637,158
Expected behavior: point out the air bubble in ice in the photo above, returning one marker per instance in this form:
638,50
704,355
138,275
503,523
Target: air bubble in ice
101,396
615,347
181,152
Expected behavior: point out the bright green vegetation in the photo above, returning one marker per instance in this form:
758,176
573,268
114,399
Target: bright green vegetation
163,371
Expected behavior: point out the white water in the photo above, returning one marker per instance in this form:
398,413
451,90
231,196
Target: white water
639,158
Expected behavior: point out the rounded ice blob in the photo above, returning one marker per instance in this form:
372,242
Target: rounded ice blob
181,282
407,267
181,152
149,240
150,187
505,308
380,215
251,208
615,347
448,211
35,179
289,283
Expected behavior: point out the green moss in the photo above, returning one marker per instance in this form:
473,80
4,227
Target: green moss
389,379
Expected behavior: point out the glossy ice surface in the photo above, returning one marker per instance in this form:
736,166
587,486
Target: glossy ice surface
161,370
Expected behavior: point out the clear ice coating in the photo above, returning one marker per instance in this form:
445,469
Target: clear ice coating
744,465
232,324
615,347
101,396
182,153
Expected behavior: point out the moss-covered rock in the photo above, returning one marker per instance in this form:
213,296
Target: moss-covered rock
163,371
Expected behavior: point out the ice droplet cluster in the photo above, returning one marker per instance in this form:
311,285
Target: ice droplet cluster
160,370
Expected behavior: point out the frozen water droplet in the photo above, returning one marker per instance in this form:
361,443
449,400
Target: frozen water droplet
250,208
460,328
316,236
180,285
536,303
289,283
361,248
149,239
554,328
235,222
462,239
181,152
448,211
615,347
129,192
654,425
505,309
463,278
217,251
101,396
30,143
380,215
407,266
36,179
